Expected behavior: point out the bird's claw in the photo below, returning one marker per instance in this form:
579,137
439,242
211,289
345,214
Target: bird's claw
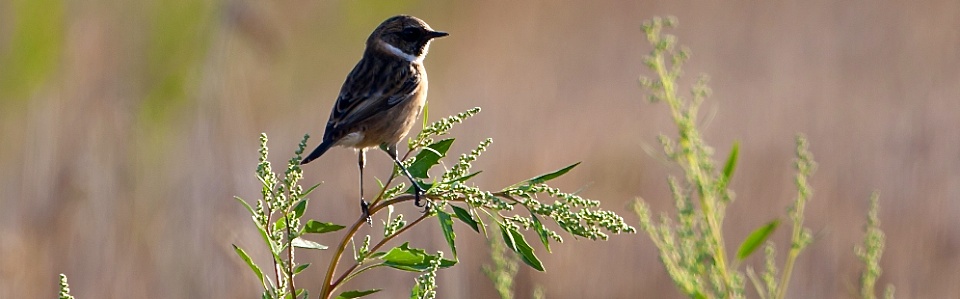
365,209
417,191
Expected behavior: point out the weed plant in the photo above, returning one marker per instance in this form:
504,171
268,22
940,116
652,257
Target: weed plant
691,244
279,217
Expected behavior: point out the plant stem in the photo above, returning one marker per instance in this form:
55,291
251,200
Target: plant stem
277,268
690,151
293,289
326,289
794,247
327,286
375,248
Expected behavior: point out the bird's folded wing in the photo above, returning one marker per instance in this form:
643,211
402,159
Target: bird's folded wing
354,107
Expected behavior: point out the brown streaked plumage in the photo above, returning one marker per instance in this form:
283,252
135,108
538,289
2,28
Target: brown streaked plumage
383,95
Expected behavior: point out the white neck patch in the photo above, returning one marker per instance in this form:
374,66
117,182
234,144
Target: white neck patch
397,52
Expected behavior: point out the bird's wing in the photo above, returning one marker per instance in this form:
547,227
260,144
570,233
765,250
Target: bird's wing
364,94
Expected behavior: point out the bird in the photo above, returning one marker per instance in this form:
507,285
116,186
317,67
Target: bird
383,96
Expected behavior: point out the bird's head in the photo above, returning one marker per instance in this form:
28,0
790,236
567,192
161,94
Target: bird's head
406,37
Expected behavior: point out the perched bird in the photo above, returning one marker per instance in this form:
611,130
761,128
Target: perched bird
382,97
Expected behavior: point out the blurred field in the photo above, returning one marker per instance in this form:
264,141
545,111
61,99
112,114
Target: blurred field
127,128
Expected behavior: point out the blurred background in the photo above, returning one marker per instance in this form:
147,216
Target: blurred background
128,126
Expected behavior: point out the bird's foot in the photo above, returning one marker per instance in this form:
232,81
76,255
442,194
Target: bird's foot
365,209
417,192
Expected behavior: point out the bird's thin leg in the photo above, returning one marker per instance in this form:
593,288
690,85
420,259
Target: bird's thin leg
364,207
392,151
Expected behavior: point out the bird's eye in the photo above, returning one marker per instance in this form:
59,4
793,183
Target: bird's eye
410,34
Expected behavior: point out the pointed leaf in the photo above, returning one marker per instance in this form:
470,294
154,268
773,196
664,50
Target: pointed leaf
465,216
541,231
416,292
731,164
549,176
403,254
426,115
299,208
303,243
466,177
314,187
280,224
245,205
515,241
253,266
428,157
756,238
546,176
316,227
508,238
356,294
300,268
446,224
482,226
411,259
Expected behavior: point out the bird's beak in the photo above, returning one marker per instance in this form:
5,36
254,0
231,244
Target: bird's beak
436,34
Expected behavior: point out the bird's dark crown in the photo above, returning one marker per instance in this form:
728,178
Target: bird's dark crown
406,34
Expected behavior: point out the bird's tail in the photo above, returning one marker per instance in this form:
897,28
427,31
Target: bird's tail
322,148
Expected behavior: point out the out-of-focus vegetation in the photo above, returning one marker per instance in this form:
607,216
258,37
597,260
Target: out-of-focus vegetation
126,130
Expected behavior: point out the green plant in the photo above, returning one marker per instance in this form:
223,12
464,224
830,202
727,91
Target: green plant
870,252
799,238
64,287
277,216
692,247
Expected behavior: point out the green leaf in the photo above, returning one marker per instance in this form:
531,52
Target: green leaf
416,292
444,263
482,226
541,231
508,238
260,228
428,157
403,254
253,266
245,205
426,115
303,243
465,178
411,259
514,240
300,268
731,164
356,294
316,227
545,177
379,183
465,216
301,293
304,194
299,208
756,238
446,224
279,225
